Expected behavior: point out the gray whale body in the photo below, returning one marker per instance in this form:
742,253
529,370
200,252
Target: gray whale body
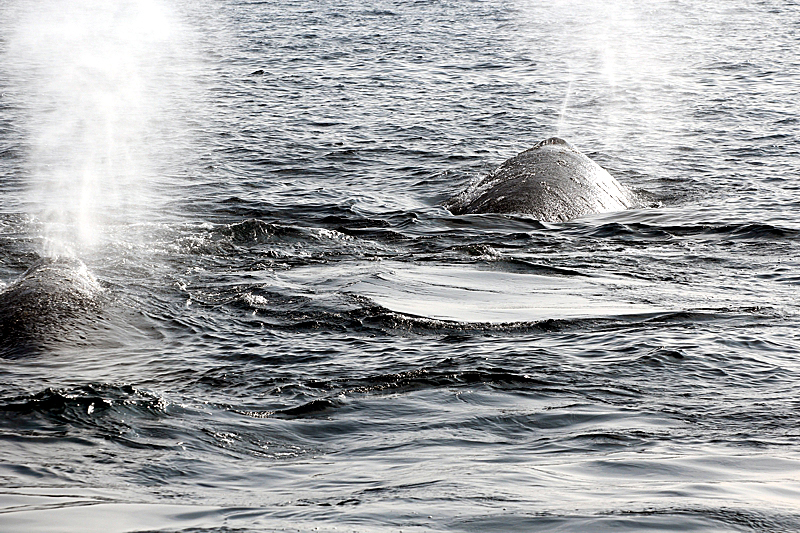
552,181
50,298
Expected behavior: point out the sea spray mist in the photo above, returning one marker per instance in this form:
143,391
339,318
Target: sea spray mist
98,82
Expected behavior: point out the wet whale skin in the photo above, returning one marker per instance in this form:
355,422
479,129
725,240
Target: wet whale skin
551,181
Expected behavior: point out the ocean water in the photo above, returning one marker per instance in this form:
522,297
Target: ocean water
294,335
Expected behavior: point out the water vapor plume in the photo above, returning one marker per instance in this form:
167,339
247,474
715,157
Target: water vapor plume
619,64
97,81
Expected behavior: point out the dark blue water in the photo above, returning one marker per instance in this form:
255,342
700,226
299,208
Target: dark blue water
294,335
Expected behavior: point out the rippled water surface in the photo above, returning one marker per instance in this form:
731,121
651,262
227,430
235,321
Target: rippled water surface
293,334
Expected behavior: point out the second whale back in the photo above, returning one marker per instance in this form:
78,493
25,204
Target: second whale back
552,181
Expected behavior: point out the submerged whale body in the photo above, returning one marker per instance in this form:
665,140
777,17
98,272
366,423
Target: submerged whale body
552,181
51,297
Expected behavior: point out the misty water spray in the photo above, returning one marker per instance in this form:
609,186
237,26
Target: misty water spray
96,79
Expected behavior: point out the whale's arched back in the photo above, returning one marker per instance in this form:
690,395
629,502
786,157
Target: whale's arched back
50,297
551,181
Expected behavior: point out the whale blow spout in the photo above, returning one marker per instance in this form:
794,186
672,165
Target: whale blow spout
552,181
51,298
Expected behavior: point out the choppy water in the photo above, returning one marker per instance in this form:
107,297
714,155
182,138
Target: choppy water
295,335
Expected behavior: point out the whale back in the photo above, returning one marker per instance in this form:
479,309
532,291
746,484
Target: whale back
52,296
551,181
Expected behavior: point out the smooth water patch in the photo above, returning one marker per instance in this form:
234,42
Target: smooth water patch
63,510
464,294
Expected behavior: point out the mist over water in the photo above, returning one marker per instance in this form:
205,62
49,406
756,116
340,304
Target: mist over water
295,335
98,84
